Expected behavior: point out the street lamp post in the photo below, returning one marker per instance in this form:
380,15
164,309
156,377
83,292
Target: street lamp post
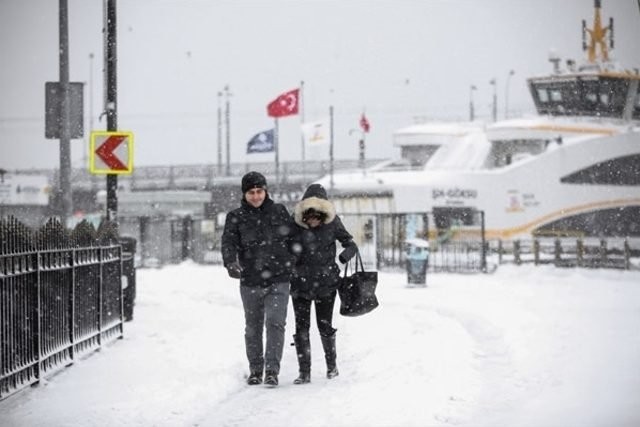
219,132
506,94
227,120
472,115
494,103
2,172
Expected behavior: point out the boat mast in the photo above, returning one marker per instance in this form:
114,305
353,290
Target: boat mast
598,36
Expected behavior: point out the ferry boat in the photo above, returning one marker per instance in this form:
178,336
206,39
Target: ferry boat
571,170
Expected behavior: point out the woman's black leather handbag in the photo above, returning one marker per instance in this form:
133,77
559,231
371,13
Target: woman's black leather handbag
358,291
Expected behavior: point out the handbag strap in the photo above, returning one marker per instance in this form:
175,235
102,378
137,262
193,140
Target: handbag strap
357,261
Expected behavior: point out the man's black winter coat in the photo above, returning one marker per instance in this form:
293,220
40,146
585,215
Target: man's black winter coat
261,240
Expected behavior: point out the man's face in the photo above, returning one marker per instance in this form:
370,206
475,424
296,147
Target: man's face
255,197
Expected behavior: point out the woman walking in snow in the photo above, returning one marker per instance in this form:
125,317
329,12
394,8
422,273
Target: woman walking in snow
317,276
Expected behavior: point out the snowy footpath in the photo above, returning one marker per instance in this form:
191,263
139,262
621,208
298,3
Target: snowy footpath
524,346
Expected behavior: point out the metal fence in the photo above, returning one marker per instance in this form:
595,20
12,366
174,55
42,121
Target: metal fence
381,239
455,248
162,240
60,297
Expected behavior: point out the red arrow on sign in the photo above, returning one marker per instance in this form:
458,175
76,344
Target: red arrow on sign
105,152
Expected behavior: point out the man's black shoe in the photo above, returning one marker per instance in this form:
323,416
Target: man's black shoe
303,378
255,378
271,378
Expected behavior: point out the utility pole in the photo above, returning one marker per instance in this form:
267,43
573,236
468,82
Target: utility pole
111,99
66,197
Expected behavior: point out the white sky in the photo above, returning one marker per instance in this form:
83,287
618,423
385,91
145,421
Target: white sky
525,346
397,59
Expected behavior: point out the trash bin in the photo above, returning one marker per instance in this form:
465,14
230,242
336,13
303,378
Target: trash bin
417,251
128,275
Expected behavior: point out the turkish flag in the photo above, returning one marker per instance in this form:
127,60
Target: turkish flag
284,105
364,123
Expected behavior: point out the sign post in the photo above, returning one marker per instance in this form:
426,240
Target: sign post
111,101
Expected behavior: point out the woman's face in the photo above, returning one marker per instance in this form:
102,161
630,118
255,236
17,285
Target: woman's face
313,222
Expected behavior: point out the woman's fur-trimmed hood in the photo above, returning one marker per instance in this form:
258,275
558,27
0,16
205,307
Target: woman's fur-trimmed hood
314,198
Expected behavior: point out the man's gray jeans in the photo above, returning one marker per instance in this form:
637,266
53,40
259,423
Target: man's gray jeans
265,305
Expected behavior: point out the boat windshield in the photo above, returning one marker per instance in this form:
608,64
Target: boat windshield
400,165
504,153
596,95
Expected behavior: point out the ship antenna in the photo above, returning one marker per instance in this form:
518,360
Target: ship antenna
597,37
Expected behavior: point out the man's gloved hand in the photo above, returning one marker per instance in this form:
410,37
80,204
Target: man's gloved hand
234,270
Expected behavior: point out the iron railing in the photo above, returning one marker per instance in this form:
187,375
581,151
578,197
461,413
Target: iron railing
381,239
618,253
60,297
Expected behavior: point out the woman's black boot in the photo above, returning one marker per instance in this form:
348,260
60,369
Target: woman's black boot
303,350
329,345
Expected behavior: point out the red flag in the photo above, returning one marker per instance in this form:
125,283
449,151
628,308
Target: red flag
364,123
284,105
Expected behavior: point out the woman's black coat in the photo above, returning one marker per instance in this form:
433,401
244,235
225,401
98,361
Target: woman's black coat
316,273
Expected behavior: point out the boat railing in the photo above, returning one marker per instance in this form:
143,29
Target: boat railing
591,252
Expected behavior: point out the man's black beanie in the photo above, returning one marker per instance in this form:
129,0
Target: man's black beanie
253,180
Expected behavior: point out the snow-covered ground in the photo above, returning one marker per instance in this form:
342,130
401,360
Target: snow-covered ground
525,346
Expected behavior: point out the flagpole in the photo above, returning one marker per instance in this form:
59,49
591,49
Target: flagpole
227,120
363,154
286,104
331,147
301,105
363,145
276,137
364,128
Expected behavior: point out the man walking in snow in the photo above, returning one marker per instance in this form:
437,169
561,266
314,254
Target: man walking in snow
257,249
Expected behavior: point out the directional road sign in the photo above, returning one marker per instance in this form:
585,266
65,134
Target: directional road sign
111,153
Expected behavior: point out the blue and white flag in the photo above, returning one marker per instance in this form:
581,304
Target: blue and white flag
261,142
